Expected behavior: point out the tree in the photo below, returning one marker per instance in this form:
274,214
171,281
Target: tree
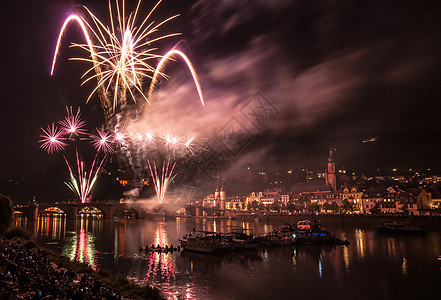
5,213
375,210
313,207
405,209
347,206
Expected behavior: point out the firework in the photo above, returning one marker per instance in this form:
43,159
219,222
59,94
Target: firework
120,137
82,182
52,139
162,63
188,143
102,141
72,124
121,63
162,182
170,141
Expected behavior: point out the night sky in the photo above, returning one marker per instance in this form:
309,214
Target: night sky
329,71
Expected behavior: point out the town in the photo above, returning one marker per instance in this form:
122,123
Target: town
334,191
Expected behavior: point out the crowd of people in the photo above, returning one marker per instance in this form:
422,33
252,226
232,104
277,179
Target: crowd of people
30,275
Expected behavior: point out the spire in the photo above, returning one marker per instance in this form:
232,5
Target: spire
331,153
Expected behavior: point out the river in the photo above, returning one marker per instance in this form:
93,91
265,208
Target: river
373,266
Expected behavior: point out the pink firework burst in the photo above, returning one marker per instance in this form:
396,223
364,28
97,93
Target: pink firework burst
72,124
120,137
52,139
170,141
102,141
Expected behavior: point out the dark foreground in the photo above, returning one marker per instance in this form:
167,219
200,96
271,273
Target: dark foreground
29,274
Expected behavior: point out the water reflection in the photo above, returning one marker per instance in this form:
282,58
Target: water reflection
80,244
81,247
263,273
51,225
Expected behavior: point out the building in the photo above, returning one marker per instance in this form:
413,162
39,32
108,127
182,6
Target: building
371,197
270,198
354,196
236,203
254,197
331,178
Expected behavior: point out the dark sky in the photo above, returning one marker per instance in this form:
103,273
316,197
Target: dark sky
333,70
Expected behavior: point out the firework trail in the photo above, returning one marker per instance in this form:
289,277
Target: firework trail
166,58
161,182
52,139
82,182
121,63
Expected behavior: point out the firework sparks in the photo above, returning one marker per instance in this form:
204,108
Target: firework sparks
121,63
82,182
163,181
166,58
120,137
52,139
72,124
102,141
188,143
170,141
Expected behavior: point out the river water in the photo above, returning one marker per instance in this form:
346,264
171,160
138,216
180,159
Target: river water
373,266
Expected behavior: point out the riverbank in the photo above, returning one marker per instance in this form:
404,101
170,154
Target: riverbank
28,271
431,223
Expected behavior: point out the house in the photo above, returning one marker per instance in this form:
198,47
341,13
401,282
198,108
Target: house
371,197
354,196
236,203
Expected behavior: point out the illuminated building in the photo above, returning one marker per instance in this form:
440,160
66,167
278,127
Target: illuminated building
354,196
331,179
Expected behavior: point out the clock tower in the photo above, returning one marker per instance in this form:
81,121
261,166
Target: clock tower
331,179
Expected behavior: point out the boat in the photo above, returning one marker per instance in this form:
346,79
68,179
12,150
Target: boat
307,232
204,242
282,237
242,239
395,227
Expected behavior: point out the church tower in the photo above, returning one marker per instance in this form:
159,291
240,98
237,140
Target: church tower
331,179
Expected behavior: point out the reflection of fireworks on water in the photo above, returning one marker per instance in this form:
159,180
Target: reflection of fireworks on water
163,261
81,247
162,181
82,181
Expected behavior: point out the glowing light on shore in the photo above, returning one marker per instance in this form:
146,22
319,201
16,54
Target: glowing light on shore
52,139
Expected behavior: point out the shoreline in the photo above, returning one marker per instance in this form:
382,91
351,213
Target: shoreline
432,223
71,275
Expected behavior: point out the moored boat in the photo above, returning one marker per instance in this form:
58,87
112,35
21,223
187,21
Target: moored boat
242,239
204,241
395,227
